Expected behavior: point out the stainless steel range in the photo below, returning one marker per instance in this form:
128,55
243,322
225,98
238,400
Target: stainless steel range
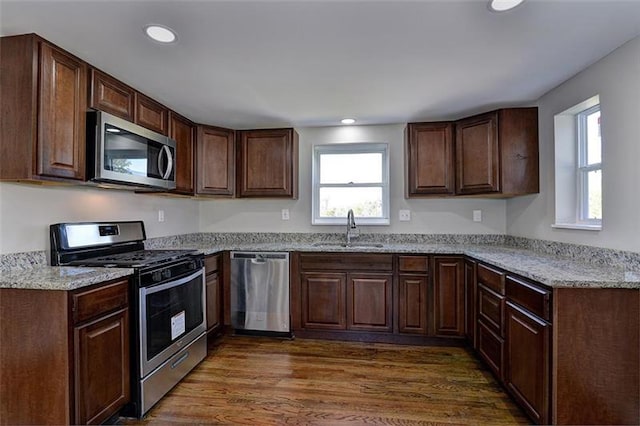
168,333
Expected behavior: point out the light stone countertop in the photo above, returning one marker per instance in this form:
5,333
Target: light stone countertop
553,271
59,277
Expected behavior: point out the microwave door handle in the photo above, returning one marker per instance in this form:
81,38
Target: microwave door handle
169,162
166,151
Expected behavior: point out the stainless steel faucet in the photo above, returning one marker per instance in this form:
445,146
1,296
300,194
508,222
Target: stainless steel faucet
352,230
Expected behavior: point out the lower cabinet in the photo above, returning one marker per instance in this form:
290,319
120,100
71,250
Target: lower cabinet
64,355
213,289
527,361
412,304
470,291
323,301
448,296
369,302
491,349
101,351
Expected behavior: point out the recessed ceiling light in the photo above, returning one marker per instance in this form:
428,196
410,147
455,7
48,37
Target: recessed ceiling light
160,33
348,120
503,5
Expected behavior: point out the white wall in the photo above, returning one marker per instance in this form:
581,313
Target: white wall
436,216
26,211
616,78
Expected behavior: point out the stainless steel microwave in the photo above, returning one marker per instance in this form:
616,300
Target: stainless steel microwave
123,153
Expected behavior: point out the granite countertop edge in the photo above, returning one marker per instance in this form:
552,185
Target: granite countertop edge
554,272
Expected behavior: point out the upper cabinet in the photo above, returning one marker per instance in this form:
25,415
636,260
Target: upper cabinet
44,99
183,132
113,96
429,158
215,164
497,153
267,163
151,114
109,95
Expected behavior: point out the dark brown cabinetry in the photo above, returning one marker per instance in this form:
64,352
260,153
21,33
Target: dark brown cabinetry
151,114
323,300
267,163
412,294
67,351
213,283
110,95
183,132
470,292
497,153
346,292
490,314
429,159
527,347
448,296
215,161
44,99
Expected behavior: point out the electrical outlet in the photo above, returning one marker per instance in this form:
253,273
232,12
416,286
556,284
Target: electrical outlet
285,214
477,215
160,215
404,215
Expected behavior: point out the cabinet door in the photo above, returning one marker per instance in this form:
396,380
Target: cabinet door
183,131
323,301
101,353
491,349
214,301
62,114
477,155
151,114
268,163
110,95
429,159
448,293
412,304
369,302
216,153
527,361
470,286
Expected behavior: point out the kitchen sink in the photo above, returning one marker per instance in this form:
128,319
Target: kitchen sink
351,245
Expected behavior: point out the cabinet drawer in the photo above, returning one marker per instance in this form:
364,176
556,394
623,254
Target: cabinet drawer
490,308
346,262
491,278
211,263
530,296
491,349
413,263
87,304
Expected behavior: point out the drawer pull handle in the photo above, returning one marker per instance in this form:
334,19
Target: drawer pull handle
180,360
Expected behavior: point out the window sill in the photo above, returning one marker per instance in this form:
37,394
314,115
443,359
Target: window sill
343,221
577,226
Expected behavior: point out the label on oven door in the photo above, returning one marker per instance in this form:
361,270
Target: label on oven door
177,325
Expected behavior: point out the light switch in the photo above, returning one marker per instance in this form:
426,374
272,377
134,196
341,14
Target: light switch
285,214
160,215
477,215
404,215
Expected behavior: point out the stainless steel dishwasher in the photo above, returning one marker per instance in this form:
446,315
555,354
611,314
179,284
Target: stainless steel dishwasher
260,293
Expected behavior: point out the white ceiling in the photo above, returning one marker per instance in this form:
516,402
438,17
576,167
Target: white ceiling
253,64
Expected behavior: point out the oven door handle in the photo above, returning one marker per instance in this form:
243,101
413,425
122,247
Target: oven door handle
154,289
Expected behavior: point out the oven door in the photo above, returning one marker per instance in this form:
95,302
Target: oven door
172,315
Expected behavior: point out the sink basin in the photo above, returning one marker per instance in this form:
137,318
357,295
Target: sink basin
352,245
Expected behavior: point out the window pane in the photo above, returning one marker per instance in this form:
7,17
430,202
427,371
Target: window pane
594,189
365,202
594,143
346,168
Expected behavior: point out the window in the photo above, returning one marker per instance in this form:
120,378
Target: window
350,176
578,166
589,166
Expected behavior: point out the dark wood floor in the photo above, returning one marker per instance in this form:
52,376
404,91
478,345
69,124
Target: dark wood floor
266,381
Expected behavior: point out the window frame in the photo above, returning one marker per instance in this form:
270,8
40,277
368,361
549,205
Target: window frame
350,148
583,168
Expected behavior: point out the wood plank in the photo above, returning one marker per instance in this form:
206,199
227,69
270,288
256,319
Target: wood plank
268,381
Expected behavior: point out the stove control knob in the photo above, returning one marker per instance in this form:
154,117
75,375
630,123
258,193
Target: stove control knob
166,273
156,276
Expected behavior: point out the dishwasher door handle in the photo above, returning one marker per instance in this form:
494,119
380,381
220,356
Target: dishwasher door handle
258,261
